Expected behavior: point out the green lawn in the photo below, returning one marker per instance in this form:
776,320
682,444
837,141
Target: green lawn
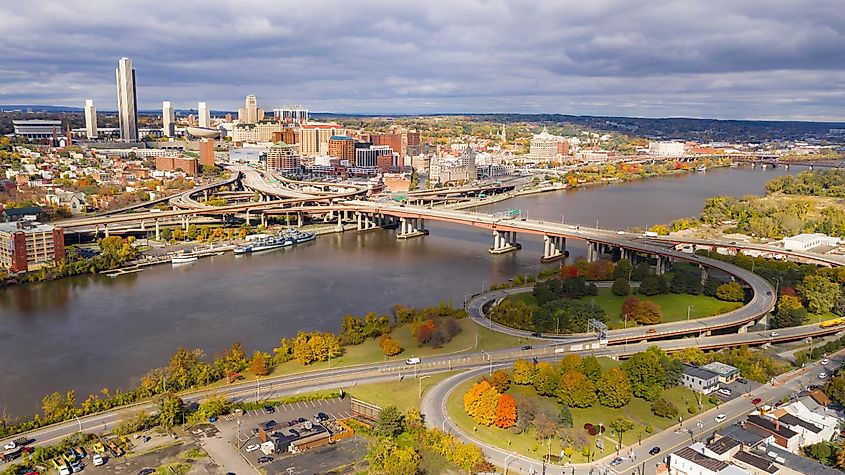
369,351
403,394
673,306
638,411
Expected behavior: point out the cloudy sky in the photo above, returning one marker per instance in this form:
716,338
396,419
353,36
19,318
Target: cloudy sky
765,59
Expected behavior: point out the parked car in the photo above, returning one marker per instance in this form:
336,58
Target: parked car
654,451
265,459
301,420
10,446
616,461
212,419
252,448
97,460
269,409
527,347
725,391
822,375
825,361
720,418
323,416
146,471
742,381
756,401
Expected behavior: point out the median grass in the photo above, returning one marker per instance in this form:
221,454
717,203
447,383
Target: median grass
638,411
673,306
404,394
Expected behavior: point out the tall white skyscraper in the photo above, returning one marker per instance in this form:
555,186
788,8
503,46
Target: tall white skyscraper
168,119
127,102
90,119
250,113
204,115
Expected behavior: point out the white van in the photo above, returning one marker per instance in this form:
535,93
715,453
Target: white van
411,361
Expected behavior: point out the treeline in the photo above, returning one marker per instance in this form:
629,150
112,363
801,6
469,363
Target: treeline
191,369
829,182
755,365
114,252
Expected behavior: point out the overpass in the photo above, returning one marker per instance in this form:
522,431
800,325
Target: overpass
735,246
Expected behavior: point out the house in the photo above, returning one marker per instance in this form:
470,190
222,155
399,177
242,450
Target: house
754,463
692,460
808,432
31,213
727,373
827,423
820,397
783,435
75,201
699,379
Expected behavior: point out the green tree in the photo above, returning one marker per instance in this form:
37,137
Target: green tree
621,287
821,294
591,368
730,292
621,425
663,408
835,390
641,271
645,373
565,416
653,285
171,409
546,379
390,422
623,269
614,388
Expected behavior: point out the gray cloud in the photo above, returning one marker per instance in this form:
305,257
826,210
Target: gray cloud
720,58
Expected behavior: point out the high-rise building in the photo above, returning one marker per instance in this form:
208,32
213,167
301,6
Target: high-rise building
90,119
204,115
127,101
315,138
282,157
544,146
342,147
168,119
394,141
291,114
369,157
413,147
206,153
250,113
28,246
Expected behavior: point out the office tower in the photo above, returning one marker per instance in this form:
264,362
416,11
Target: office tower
291,114
168,119
250,113
90,119
127,102
204,115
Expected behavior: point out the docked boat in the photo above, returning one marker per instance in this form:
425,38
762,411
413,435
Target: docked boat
183,259
300,236
701,168
245,249
273,242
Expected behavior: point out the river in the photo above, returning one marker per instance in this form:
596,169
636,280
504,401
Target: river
90,332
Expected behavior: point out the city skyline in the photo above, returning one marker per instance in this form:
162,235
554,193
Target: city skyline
759,60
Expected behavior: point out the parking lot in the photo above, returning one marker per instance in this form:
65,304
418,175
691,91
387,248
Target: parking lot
738,389
239,429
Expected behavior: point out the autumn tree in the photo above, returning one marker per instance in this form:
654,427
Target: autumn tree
387,458
571,362
614,388
523,372
480,402
648,313
546,379
424,331
389,345
505,412
576,390
692,355
259,363
730,292
630,307
500,380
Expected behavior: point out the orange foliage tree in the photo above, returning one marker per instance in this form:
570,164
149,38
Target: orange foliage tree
389,346
505,411
424,331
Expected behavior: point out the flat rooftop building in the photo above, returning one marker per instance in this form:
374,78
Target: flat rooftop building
37,128
29,246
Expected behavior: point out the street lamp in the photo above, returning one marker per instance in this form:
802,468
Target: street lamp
689,307
421,380
512,454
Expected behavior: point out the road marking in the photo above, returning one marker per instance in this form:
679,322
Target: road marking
312,404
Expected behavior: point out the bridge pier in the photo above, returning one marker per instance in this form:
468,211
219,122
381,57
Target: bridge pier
703,274
143,227
299,220
592,251
366,221
411,227
158,230
553,248
264,219
106,229
503,242
742,330
662,265
186,221
247,218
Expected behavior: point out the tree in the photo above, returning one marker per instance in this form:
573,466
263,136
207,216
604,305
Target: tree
571,362
575,390
501,381
389,346
523,372
821,294
591,368
623,269
621,287
621,425
390,422
730,292
258,364
640,271
171,410
546,379
835,390
648,313
692,355
387,458
629,307
788,317
505,412
614,388
480,402
663,408
645,373
653,285
423,332
213,406
565,416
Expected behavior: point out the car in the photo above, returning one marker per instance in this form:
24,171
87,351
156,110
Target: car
77,466
265,459
720,418
269,409
779,404
813,387
212,419
98,460
252,448
620,232
527,347
616,461
822,375
292,422
773,334
725,391
146,471
323,416
301,420
536,334
412,361
824,361
756,401
255,431
64,470
10,446
768,292
651,331
742,381
654,451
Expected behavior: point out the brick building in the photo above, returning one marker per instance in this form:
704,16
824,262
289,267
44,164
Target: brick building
28,246
171,164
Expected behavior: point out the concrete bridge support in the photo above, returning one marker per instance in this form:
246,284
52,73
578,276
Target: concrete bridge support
247,218
662,265
703,274
299,220
503,242
106,229
158,231
366,221
553,248
592,251
411,227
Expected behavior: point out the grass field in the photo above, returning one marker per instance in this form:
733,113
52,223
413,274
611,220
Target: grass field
673,306
638,411
369,351
403,394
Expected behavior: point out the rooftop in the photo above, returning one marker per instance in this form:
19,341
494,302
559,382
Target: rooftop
806,237
772,426
756,462
721,369
797,421
25,226
722,445
745,436
699,373
700,459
